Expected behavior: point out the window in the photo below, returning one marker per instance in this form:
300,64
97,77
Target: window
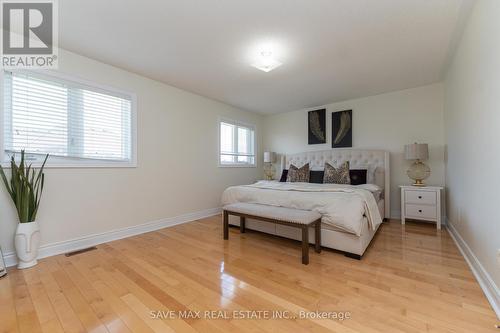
237,144
76,123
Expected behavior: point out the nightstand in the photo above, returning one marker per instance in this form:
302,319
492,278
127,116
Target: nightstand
421,203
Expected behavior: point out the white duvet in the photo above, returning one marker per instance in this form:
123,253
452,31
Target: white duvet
341,206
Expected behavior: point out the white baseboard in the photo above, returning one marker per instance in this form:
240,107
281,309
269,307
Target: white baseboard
108,236
487,284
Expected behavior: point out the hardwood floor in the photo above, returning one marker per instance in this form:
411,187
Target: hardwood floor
411,279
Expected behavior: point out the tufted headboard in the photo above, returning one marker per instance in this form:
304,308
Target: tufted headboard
376,161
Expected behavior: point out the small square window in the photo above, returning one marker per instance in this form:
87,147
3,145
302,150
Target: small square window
236,144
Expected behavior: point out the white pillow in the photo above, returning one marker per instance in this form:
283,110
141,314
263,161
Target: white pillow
369,187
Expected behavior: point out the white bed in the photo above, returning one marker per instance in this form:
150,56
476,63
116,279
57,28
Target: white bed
338,231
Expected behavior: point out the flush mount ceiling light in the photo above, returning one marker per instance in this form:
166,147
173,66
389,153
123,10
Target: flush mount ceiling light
266,62
267,54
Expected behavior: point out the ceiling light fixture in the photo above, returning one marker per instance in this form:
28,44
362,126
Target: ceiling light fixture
266,62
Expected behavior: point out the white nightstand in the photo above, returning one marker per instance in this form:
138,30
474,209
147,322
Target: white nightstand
421,203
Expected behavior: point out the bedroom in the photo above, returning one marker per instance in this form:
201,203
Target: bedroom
155,115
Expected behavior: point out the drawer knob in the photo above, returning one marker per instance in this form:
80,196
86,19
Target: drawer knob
420,197
420,211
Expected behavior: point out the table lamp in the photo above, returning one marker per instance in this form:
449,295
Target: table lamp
418,171
269,159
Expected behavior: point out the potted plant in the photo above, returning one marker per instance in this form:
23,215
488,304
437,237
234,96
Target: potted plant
25,188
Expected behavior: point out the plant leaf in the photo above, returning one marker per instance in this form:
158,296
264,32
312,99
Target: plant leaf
6,182
25,187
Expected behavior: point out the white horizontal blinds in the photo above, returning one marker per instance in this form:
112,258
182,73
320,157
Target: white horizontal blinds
106,137
62,118
35,115
237,144
245,145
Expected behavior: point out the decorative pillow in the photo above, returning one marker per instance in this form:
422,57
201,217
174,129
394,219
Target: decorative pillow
358,177
338,175
316,176
298,175
284,173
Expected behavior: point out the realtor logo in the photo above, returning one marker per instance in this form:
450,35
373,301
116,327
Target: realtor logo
29,34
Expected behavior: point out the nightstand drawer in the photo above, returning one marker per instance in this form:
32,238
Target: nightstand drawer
420,197
421,211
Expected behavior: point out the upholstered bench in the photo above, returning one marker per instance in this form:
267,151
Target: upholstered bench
280,215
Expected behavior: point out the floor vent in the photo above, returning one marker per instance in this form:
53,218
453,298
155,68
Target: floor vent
74,253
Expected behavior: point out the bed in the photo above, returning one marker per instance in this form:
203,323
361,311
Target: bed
351,215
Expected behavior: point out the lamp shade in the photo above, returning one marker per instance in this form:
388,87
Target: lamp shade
417,151
269,157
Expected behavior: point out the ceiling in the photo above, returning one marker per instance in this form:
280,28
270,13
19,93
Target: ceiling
331,50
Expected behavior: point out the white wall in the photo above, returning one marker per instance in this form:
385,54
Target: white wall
387,121
177,170
472,126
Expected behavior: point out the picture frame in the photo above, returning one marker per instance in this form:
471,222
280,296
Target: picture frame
342,129
316,127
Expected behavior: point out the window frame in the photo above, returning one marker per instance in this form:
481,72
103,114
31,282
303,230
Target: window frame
242,124
71,162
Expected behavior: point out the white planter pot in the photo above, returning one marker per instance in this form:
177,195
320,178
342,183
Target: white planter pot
26,242
3,269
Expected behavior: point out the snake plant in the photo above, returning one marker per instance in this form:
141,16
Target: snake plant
25,187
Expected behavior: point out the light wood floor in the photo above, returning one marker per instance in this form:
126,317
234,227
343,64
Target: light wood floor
411,279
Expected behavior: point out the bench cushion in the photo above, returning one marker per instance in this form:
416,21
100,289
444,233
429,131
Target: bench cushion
275,213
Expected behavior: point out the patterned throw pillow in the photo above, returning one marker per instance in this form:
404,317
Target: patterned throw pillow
338,175
298,175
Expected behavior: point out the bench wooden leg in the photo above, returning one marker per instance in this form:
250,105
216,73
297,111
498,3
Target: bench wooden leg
305,245
225,225
242,224
317,236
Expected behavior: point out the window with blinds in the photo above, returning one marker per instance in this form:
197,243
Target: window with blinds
66,119
237,144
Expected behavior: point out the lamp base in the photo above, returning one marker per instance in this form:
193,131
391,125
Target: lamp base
417,172
418,182
269,171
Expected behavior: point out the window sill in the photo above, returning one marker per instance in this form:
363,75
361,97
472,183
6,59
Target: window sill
75,165
237,166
